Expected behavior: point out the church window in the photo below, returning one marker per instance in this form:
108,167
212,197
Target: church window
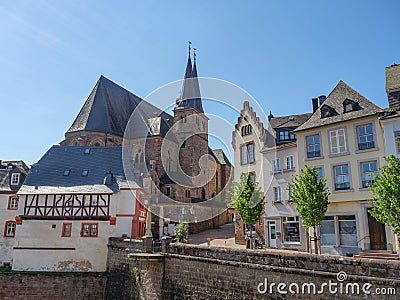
187,193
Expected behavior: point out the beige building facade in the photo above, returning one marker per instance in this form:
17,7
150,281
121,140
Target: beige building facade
343,139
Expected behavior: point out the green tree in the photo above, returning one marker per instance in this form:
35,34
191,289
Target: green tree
310,196
386,194
181,232
248,200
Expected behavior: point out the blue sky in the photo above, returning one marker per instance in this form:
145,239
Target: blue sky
282,52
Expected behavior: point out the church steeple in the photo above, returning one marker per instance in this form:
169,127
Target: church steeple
190,93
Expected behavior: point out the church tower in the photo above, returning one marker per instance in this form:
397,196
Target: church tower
190,122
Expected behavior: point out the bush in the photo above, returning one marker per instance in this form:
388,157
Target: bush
180,232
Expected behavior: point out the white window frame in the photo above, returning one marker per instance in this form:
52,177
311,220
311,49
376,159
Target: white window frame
277,194
370,134
307,145
10,228
336,148
289,166
347,164
15,177
277,165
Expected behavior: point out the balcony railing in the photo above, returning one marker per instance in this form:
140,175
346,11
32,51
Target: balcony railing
312,154
366,145
367,183
342,186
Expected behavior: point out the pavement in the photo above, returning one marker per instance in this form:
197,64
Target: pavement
224,236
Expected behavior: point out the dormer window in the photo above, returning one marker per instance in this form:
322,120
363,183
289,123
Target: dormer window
66,172
327,111
15,178
350,105
286,135
86,151
85,173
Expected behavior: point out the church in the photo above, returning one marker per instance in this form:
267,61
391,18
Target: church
105,176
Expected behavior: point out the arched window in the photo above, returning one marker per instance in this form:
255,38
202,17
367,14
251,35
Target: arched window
141,158
203,194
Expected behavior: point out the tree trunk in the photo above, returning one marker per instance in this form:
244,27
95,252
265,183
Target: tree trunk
315,241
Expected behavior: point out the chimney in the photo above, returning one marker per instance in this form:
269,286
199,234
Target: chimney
393,86
109,179
314,104
321,98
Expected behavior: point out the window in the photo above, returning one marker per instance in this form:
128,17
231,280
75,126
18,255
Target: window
66,230
367,171
187,193
277,165
365,137
246,130
348,230
347,235
66,172
87,150
342,177
290,163
243,151
252,176
320,175
168,191
291,229
290,192
327,229
277,194
247,153
89,229
85,172
397,141
9,230
337,140
286,136
313,146
15,178
13,202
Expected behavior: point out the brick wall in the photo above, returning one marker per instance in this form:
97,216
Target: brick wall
51,285
193,272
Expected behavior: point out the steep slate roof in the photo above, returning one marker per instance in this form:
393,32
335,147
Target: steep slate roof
335,100
48,176
289,121
221,157
109,107
190,94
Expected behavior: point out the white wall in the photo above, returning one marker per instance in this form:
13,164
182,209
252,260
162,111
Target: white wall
6,243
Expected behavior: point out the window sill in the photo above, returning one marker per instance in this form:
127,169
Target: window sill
367,150
343,191
364,189
288,170
339,154
291,243
314,158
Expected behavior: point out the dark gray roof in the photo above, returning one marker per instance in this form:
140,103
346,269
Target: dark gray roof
48,174
335,101
190,94
109,107
221,157
289,121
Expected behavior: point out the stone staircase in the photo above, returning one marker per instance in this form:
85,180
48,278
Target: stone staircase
378,254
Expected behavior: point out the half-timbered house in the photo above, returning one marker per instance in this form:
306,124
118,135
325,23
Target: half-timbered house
72,201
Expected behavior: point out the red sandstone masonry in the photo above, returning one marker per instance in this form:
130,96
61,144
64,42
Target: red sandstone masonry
51,285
